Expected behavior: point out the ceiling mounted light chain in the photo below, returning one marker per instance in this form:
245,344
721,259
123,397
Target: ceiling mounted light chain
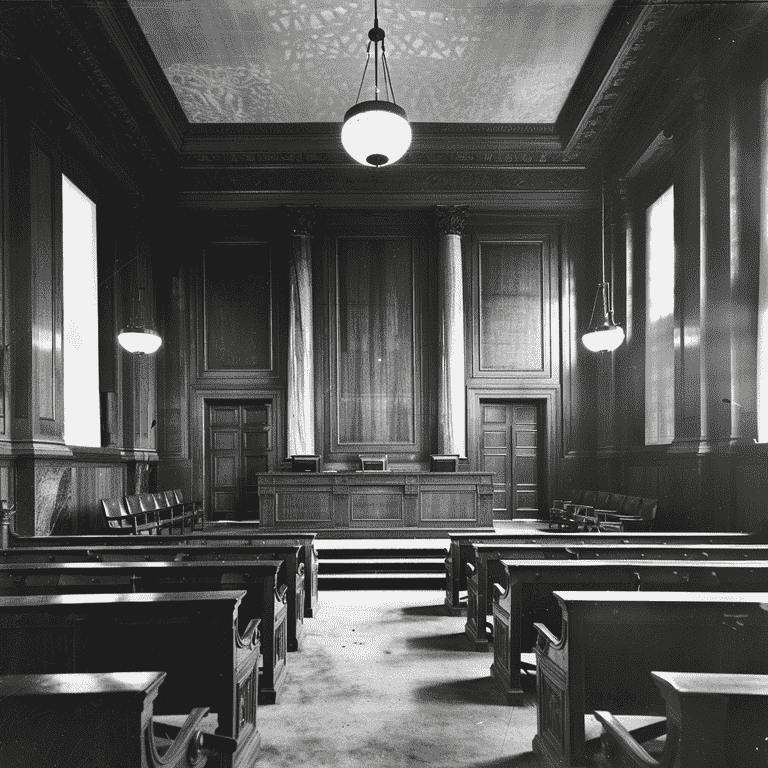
376,132
608,336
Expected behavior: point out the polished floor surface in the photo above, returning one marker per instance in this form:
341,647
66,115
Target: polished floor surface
386,679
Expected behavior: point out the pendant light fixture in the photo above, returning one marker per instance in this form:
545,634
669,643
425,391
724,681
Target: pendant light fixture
376,132
608,336
139,337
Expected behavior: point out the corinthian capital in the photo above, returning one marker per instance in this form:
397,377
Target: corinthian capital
300,221
451,219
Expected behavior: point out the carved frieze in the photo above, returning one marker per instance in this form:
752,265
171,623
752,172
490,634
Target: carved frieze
394,179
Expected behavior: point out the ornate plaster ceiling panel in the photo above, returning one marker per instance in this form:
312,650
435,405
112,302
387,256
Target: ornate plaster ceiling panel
264,61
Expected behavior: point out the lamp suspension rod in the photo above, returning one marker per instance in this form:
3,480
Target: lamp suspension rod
365,69
376,51
607,306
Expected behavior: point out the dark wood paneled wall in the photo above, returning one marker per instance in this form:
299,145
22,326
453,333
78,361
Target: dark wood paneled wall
710,476
50,116
525,364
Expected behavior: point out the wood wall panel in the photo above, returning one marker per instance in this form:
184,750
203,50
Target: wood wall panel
375,342
238,307
173,370
43,276
511,322
297,507
372,506
515,302
90,484
455,505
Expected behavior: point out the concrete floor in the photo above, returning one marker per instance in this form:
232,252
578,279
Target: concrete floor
385,679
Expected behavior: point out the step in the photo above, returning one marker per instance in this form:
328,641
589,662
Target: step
354,554
393,580
404,563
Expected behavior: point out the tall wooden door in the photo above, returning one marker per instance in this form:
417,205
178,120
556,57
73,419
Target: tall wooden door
510,447
240,445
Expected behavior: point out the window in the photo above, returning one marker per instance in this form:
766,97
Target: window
762,305
659,321
81,343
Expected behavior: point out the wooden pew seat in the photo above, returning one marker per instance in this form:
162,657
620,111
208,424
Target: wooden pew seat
485,568
9,539
192,636
264,600
713,721
529,597
460,550
97,719
611,641
292,553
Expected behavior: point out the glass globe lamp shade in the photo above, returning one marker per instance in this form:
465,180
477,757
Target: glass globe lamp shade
139,341
376,133
605,339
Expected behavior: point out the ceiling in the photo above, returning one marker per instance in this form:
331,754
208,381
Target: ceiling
263,61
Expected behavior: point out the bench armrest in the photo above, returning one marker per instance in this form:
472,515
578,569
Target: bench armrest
620,747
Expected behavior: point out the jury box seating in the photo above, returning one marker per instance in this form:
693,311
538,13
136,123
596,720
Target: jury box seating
291,552
192,636
485,567
212,540
713,720
263,600
603,511
150,513
529,599
611,641
111,713
460,550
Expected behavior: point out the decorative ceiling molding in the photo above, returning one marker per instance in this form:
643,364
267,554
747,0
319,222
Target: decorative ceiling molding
433,144
105,95
533,202
635,51
124,33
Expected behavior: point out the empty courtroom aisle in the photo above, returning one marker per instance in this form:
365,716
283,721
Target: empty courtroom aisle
386,679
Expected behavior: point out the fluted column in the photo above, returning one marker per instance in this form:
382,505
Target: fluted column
452,407
301,366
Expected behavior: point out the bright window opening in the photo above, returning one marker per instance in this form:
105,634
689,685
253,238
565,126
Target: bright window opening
660,321
81,340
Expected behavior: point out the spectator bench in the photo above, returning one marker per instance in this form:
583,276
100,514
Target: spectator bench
111,713
713,720
150,513
208,661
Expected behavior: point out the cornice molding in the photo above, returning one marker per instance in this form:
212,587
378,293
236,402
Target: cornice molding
104,94
301,143
632,54
123,31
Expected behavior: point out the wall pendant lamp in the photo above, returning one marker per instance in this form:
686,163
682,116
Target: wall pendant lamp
607,336
139,337
376,132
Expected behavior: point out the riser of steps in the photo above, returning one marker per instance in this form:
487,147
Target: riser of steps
351,566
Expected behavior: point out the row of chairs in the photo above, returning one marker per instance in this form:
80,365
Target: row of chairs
588,510
150,513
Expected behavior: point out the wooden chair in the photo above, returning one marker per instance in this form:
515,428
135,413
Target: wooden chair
120,518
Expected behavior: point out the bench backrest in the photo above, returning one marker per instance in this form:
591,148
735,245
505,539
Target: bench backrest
147,502
113,510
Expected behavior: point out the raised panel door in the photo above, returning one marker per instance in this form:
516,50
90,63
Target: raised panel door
510,449
240,446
